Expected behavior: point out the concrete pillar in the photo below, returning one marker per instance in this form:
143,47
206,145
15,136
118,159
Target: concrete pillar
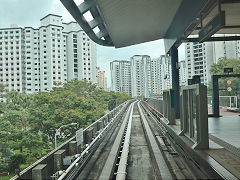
105,121
215,97
175,79
238,97
109,117
95,129
99,125
72,148
39,172
58,159
88,135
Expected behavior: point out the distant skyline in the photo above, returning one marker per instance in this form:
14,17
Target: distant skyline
28,13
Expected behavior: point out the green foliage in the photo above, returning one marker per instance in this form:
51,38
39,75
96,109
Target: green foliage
15,161
226,63
29,122
218,69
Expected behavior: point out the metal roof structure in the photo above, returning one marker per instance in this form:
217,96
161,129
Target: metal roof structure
123,23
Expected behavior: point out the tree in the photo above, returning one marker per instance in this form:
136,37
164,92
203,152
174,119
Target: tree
225,63
218,69
29,122
15,161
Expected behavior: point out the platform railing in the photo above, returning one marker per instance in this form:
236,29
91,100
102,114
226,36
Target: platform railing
194,115
168,106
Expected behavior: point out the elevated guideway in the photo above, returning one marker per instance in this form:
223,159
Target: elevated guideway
137,142
223,152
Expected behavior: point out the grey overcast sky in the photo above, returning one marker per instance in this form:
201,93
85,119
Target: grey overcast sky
29,12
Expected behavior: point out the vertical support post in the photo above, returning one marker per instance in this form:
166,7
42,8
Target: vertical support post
72,148
58,159
175,79
215,96
39,172
238,96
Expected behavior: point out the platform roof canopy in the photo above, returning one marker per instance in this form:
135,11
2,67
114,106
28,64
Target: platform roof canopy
123,23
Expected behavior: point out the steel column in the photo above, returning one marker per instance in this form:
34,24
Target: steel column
175,80
215,96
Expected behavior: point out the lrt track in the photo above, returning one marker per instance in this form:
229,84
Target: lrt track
137,148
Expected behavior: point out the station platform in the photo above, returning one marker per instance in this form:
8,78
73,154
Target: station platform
225,142
223,154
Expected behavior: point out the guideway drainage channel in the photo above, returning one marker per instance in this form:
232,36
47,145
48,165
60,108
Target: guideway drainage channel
121,172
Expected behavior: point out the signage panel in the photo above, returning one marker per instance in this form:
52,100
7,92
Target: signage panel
212,27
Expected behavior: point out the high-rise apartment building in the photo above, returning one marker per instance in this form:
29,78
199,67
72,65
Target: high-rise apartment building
102,79
81,54
121,76
182,73
156,81
166,72
141,75
33,60
11,58
201,56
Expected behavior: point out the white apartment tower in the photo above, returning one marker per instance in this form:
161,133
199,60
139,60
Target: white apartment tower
102,80
200,56
141,75
81,54
166,72
156,81
33,60
11,58
182,73
121,76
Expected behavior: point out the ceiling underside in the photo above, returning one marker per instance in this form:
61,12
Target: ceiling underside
128,22
135,21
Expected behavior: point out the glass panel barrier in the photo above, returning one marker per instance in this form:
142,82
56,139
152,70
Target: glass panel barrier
194,115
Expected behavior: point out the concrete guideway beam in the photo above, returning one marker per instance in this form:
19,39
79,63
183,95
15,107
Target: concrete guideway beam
109,166
157,154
